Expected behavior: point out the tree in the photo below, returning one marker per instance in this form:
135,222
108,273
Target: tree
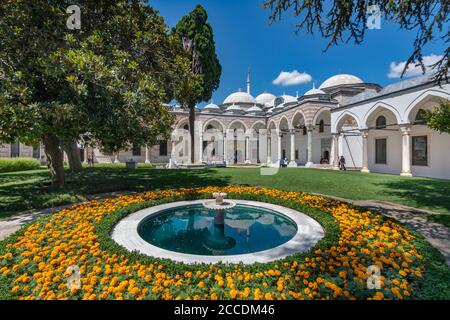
201,76
439,118
107,81
346,21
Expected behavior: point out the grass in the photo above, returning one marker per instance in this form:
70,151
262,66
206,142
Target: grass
18,164
21,191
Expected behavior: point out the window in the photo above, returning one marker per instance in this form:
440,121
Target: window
304,130
420,117
296,154
380,151
37,152
284,153
163,148
15,149
420,151
186,127
321,126
381,122
136,151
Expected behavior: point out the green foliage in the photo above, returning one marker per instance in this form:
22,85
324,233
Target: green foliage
195,35
109,79
18,164
439,119
343,21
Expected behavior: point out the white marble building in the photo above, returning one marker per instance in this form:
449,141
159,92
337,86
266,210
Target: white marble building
376,129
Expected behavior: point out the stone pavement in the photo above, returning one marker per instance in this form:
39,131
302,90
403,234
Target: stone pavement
436,234
9,225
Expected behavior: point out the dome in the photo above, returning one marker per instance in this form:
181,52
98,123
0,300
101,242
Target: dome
313,91
255,109
265,98
240,97
212,107
288,98
234,108
340,79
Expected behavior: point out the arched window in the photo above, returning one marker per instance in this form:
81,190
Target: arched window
186,127
381,122
321,126
420,117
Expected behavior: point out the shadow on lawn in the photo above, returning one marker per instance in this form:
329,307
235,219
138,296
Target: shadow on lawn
40,194
422,193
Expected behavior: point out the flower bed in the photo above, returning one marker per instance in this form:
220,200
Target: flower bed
34,262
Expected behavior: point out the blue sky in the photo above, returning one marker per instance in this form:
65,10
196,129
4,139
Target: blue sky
245,38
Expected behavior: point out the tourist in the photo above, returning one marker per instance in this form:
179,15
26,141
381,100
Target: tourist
342,163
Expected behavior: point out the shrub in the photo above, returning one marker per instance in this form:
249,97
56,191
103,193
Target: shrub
18,164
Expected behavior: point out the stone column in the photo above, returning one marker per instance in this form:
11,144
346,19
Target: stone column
310,129
365,157
85,151
147,154
200,148
269,148
225,147
292,162
279,136
247,149
406,150
336,151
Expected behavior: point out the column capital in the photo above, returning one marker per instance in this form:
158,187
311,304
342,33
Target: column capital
364,133
310,127
405,128
336,134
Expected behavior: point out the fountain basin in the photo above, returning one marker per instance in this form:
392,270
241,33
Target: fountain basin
298,233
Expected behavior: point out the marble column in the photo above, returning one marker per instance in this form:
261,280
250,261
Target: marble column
200,148
406,150
86,153
292,162
225,147
279,136
247,149
310,129
365,155
269,149
147,154
336,151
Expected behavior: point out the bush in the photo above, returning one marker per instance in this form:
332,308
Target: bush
18,164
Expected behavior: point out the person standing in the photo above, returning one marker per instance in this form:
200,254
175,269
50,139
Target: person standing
342,163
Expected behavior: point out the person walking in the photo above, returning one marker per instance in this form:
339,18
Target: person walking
342,163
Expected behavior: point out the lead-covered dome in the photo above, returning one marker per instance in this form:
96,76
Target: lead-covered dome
340,79
239,97
266,99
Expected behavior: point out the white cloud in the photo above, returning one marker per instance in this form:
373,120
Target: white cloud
396,69
291,78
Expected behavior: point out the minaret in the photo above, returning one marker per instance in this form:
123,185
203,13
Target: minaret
248,81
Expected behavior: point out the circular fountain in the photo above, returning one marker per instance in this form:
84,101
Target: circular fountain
218,229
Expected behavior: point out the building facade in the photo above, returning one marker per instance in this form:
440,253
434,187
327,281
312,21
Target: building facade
376,130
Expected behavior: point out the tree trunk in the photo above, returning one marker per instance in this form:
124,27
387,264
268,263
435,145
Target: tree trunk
55,160
73,155
192,131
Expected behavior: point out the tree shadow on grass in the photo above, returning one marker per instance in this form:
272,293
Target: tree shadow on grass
40,194
428,194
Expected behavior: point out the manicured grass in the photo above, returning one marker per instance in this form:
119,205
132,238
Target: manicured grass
21,191
18,164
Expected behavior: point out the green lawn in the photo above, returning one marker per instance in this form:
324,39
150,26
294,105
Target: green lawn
20,191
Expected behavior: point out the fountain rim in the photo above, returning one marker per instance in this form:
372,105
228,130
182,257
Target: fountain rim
309,232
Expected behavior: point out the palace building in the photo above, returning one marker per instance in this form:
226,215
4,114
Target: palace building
376,129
